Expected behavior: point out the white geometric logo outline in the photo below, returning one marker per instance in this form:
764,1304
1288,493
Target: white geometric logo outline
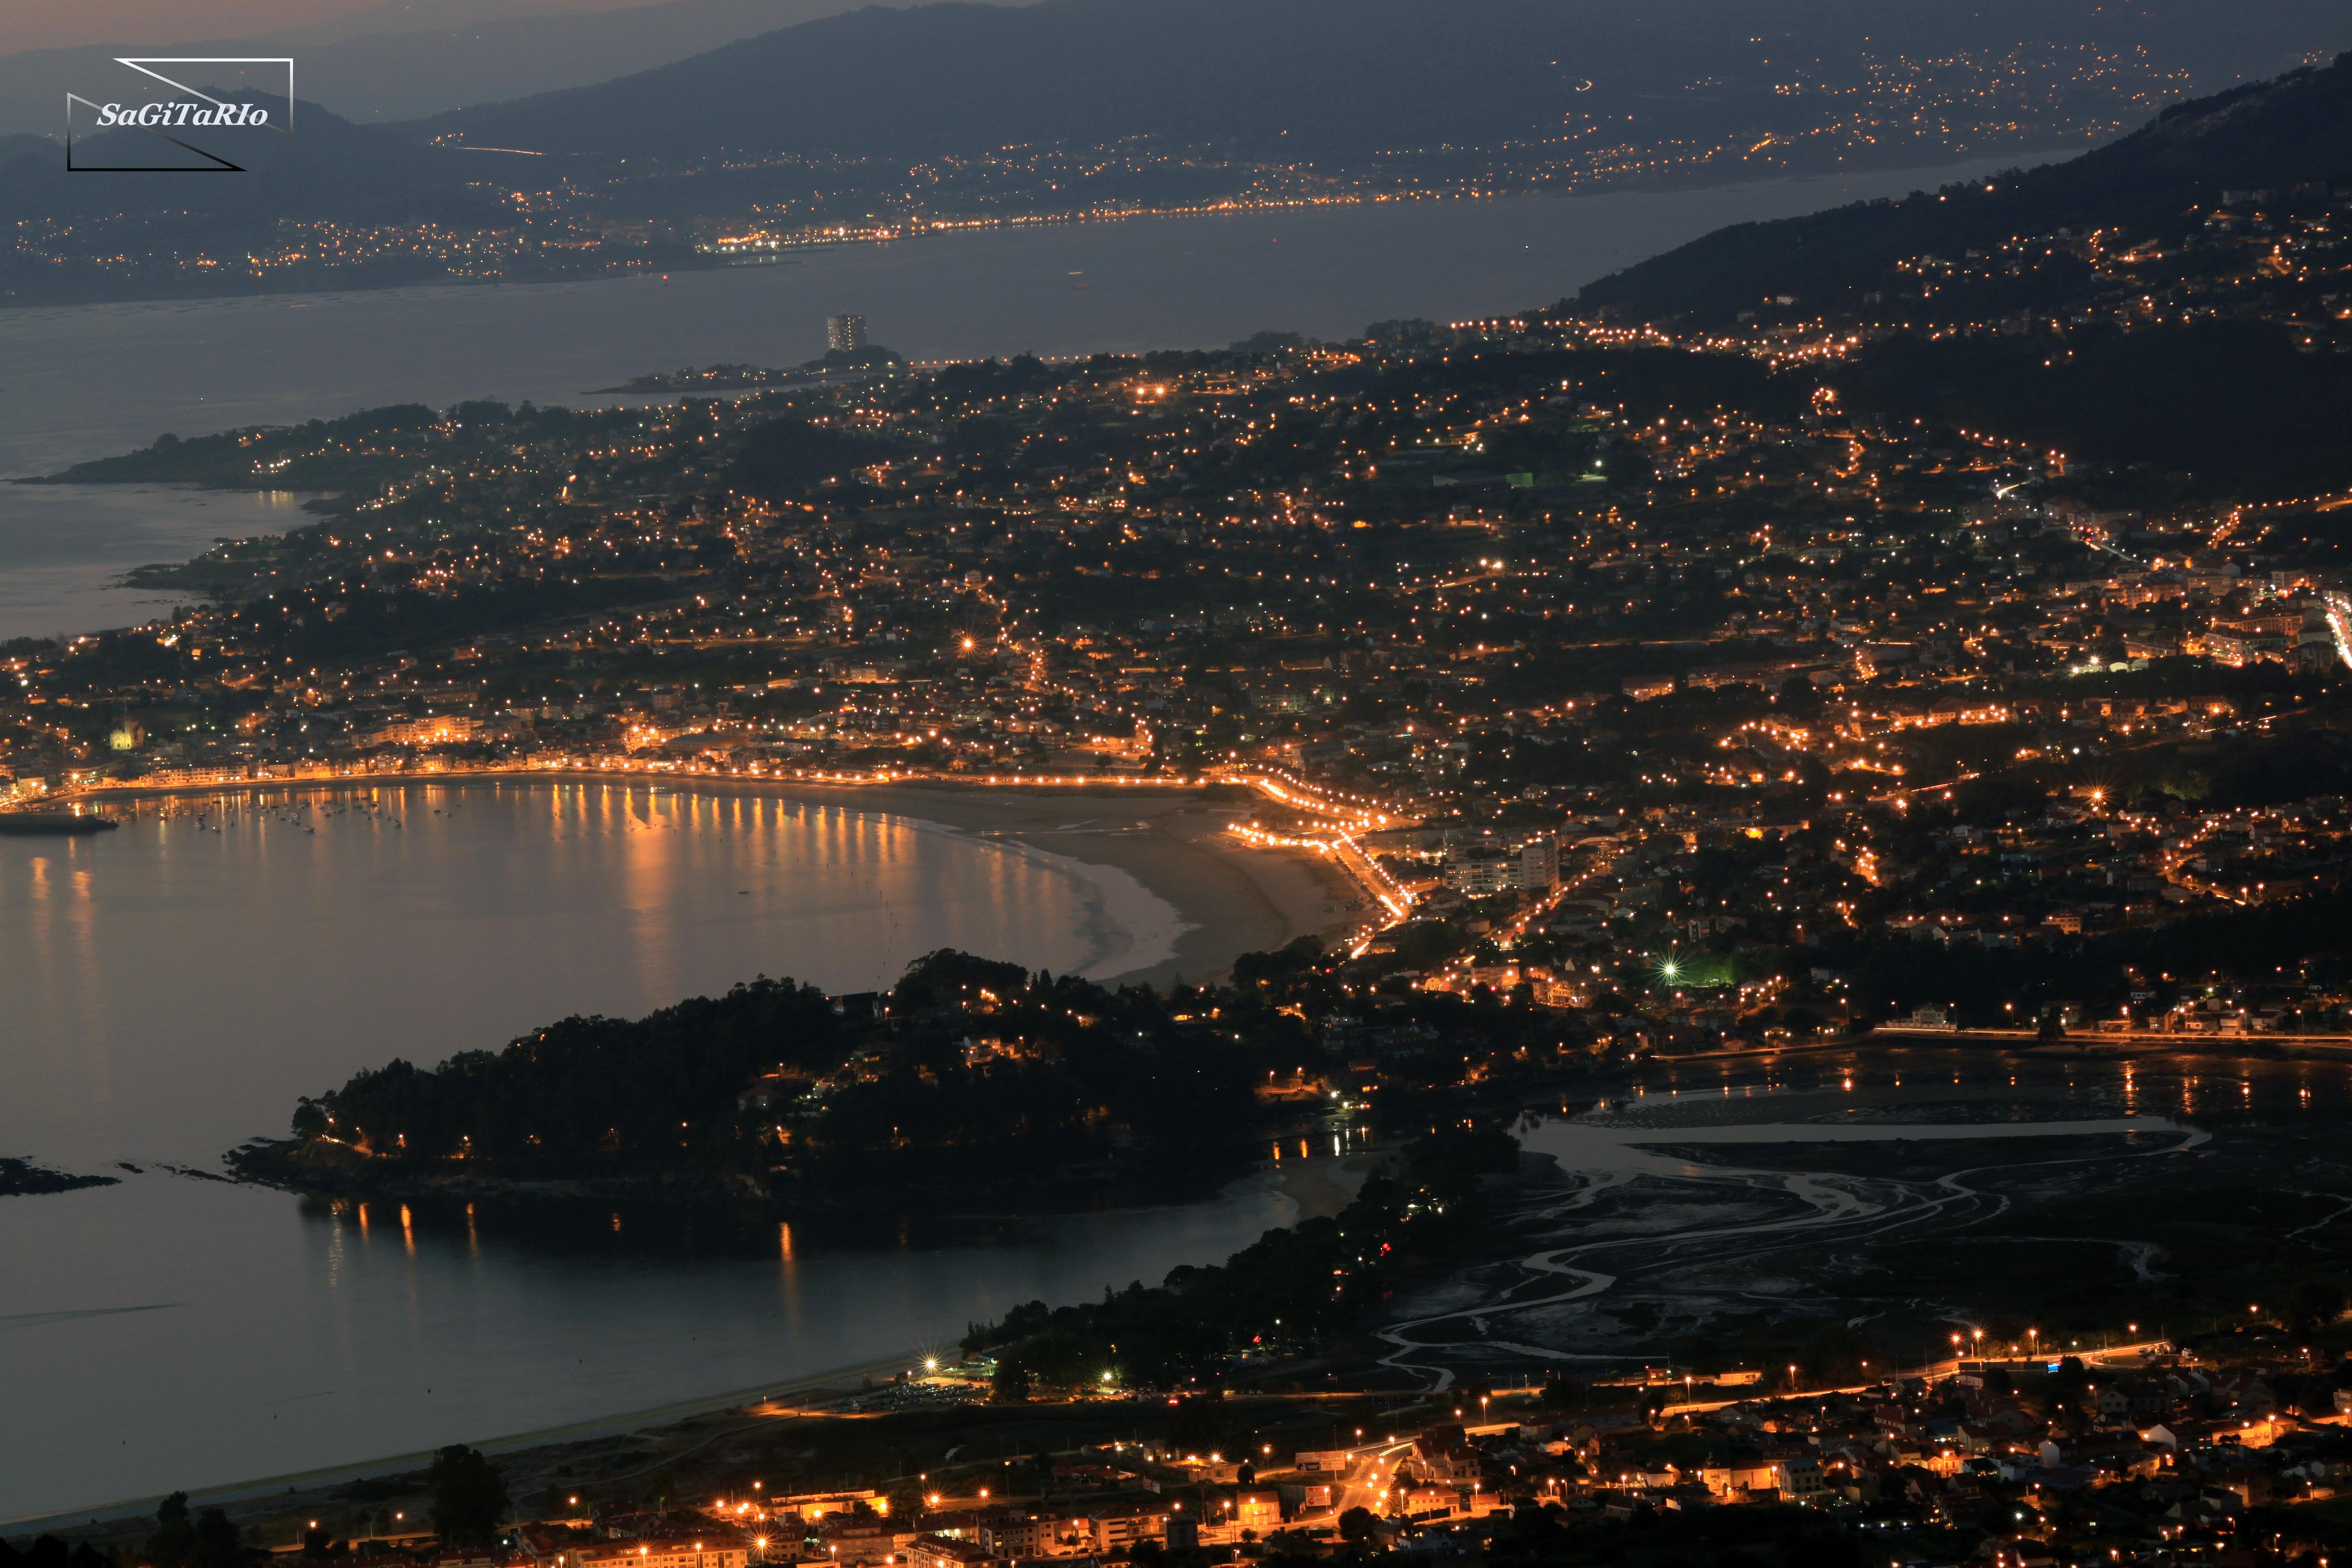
140,64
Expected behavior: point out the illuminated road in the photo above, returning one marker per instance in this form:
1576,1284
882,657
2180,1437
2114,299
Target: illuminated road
1368,1481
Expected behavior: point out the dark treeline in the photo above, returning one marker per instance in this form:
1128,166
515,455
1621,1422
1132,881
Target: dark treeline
469,1500
49,1552
968,1068
1892,971
588,1093
1282,1295
359,448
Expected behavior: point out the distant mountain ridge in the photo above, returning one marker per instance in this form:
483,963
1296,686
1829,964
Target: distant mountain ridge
394,18
424,57
1348,79
879,117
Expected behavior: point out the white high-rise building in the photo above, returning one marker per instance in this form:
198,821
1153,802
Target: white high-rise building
845,334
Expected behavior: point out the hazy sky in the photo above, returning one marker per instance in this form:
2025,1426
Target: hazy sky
48,25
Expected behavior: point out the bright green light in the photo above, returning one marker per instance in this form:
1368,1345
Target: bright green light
1671,970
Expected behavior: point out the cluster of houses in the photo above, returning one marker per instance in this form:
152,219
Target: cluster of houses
1096,1505
2024,1453
2013,1449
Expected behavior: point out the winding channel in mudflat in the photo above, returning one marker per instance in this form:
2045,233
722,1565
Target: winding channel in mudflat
1837,1208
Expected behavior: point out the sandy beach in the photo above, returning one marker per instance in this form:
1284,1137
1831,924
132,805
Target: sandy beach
1229,899
1322,1185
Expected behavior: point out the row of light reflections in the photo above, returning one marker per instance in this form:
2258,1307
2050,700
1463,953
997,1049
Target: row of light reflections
2185,1085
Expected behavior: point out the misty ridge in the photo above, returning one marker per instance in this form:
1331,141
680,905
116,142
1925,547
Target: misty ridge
1354,79
412,57
899,117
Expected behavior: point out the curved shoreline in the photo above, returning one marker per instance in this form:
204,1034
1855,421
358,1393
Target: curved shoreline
1319,1185
1164,840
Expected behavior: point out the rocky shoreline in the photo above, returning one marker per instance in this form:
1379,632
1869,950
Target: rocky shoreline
22,1178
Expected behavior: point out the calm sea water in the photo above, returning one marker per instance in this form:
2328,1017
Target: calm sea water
173,983
171,986
90,381
62,548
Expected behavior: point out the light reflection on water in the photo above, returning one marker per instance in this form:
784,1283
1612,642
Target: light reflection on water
63,548
1621,1147
1983,1082
170,987
171,1333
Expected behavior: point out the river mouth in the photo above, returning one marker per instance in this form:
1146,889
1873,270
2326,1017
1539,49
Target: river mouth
1804,1220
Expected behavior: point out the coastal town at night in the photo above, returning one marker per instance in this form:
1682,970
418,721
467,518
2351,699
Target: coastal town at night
1617,666
1700,919
2140,1452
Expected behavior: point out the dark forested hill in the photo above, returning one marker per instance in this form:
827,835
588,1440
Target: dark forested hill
2221,408
978,1072
2290,138
2170,303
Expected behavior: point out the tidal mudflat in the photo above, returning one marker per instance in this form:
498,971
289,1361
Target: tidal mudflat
1870,1205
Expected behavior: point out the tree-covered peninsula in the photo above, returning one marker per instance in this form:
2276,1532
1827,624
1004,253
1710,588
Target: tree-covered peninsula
969,1073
